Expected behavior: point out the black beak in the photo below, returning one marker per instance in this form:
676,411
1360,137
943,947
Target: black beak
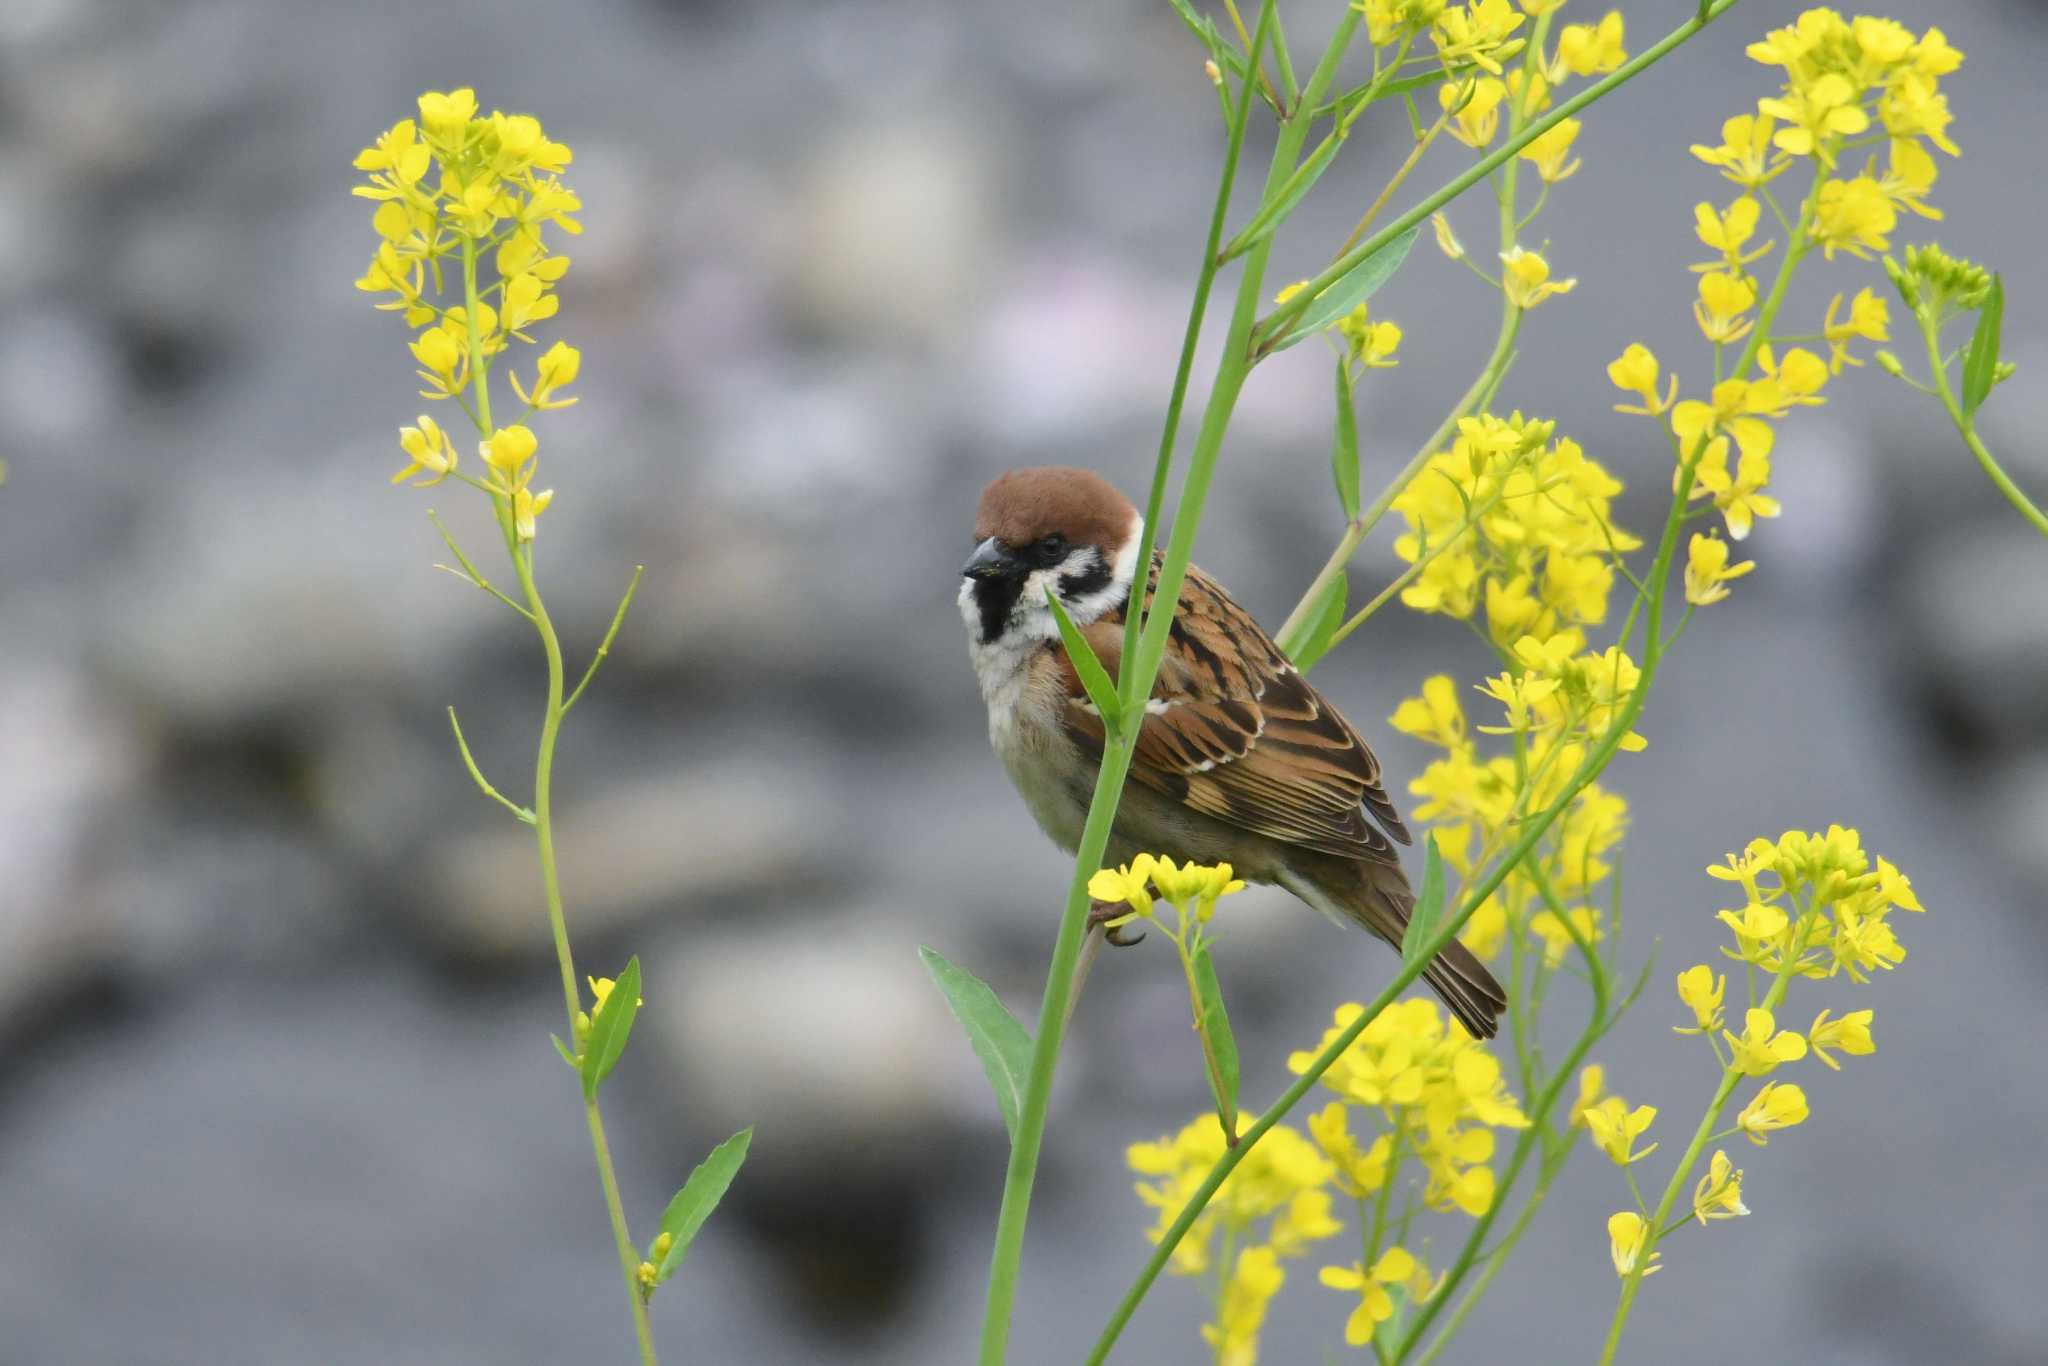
992,560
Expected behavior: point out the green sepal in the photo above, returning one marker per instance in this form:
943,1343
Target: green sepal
1219,1045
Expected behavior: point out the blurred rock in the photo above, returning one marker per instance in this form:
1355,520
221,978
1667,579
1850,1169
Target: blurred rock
701,839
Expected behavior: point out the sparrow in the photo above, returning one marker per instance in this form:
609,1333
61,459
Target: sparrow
1239,759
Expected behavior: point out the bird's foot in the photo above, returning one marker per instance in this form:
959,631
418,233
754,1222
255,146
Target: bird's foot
1100,913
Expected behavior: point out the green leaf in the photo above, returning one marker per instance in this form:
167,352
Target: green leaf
1980,363
1344,451
1350,290
1275,211
568,1056
698,1197
1002,1044
1217,1041
1321,625
1095,678
610,1028
1429,903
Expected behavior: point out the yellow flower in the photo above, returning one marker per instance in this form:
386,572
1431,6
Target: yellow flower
1636,371
1526,278
557,368
1477,34
1816,114
1728,232
1592,1082
1372,343
1435,717
1707,570
1855,216
1762,1046
1359,1172
1375,1305
1851,1034
398,151
1719,1193
1477,106
1779,1105
1557,940
526,301
1446,241
1615,1128
509,452
1125,884
1701,991
1799,377
430,450
1387,19
1869,318
1551,154
601,988
1194,887
1740,498
1757,927
1253,1283
1745,154
1627,1234
1724,298
527,506
1583,49
446,115
442,362
1306,1219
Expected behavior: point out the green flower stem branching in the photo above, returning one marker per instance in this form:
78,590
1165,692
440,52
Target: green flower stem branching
1966,427
543,788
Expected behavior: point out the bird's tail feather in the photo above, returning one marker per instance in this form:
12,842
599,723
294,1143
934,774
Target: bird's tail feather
1377,897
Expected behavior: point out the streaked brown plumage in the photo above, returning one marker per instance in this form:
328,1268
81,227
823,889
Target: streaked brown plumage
1239,758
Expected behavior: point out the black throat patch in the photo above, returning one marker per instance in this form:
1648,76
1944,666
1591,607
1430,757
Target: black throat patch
995,599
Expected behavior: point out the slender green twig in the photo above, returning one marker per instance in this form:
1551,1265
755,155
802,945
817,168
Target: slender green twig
604,647
469,572
469,762
1966,427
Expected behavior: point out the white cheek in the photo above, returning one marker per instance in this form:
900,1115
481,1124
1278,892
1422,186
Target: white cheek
1031,616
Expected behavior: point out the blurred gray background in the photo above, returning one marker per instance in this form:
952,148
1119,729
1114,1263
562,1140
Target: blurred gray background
273,978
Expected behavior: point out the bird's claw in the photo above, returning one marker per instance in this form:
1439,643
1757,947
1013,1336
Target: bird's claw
1101,913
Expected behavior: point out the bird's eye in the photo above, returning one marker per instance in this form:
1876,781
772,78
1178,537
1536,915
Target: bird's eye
1051,549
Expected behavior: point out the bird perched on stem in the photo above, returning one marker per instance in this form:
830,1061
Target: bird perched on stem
1239,759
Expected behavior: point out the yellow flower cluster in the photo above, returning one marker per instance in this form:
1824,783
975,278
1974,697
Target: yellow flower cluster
1849,83
1438,1097
452,187
1815,905
1274,1205
1513,521
1439,1091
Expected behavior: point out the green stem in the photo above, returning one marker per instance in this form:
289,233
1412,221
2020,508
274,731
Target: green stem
1966,425
543,824
1137,669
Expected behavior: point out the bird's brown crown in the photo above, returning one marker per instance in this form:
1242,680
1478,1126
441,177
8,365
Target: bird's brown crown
1023,507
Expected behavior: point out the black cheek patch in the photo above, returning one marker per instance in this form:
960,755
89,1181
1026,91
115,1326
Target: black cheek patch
1082,582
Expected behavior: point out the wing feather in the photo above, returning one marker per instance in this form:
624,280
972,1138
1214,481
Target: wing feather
1235,732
